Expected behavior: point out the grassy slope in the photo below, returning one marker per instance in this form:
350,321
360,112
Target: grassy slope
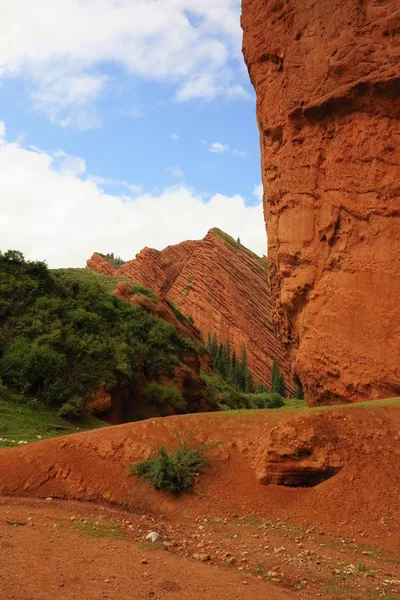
107,282
19,421
299,406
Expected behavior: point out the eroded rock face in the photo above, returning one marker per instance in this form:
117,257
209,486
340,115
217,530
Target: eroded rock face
224,287
327,79
100,264
303,453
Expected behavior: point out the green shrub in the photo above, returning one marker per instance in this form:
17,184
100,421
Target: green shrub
174,472
161,394
138,288
64,335
180,316
275,401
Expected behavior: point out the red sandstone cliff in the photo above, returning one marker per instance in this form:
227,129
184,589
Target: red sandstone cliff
327,79
223,286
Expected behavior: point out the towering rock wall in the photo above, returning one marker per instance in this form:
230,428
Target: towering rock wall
327,79
223,286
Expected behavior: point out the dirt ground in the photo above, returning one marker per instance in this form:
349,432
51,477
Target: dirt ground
232,538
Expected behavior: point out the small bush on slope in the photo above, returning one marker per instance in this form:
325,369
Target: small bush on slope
172,472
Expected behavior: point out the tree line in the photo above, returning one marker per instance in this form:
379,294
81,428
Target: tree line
235,369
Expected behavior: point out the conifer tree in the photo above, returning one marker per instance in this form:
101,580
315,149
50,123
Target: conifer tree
277,380
281,382
233,368
220,358
249,384
226,358
274,377
214,348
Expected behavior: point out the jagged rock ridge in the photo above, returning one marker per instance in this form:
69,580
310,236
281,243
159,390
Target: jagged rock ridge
223,286
327,79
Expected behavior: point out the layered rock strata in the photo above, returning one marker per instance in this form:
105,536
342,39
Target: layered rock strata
327,78
223,287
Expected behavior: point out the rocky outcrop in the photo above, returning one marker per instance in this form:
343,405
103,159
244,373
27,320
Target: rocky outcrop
303,452
327,79
100,264
223,287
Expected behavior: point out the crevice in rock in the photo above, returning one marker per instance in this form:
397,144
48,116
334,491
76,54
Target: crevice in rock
301,476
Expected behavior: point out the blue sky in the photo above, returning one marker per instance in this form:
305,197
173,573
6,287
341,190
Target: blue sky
124,124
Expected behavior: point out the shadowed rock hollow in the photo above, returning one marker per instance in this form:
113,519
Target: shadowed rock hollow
327,79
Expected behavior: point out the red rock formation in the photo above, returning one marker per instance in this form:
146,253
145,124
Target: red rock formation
157,269
223,286
327,78
100,264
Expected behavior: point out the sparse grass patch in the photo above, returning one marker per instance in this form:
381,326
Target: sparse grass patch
151,545
226,237
99,530
252,521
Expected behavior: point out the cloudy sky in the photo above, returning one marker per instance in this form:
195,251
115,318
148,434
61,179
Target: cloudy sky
124,124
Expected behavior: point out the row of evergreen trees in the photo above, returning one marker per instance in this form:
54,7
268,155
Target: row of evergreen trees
232,368
236,371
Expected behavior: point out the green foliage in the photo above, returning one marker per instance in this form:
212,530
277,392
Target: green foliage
219,391
140,289
278,382
174,472
262,388
191,320
165,395
33,420
114,260
63,335
180,316
235,371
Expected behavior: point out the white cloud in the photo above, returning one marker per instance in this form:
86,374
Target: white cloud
65,98
174,137
49,212
176,172
73,165
102,182
240,153
60,46
258,191
218,148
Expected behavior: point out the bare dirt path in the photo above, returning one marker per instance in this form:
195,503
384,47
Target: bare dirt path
64,549
46,555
